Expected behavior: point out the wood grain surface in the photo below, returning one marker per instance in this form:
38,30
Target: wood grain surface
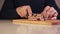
25,21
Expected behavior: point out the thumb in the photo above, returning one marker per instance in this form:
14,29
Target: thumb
29,10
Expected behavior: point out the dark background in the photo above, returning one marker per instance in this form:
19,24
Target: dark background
2,1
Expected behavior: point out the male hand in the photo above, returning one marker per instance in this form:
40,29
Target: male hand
49,13
24,11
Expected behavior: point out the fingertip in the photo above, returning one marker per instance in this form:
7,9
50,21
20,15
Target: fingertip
54,18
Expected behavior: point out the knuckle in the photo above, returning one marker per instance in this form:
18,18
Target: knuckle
48,6
28,6
52,8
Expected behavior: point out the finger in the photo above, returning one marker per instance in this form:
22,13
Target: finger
54,18
50,12
20,11
53,12
55,15
23,11
45,11
46,8
29,10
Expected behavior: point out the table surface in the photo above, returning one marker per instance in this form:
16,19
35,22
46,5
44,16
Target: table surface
7,27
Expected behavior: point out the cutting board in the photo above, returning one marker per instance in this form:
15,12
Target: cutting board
25,21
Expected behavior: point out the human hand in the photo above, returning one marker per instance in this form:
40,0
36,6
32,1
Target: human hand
24,11
49,13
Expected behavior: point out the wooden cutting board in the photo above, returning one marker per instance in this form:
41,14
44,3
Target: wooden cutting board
25,21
